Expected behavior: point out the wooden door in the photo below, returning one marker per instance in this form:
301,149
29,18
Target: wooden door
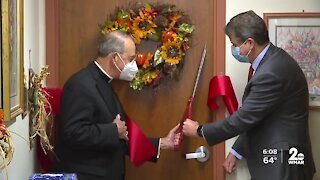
155,112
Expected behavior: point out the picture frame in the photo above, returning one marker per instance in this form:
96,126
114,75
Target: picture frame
299,35
12,75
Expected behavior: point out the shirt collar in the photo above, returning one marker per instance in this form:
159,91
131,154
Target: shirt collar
104,72
257,61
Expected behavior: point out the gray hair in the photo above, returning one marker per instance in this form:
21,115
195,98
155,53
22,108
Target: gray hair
112,42
248,25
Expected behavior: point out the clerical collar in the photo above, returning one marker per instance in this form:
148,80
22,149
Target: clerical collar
104,72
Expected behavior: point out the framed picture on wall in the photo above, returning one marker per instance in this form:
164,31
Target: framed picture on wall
12,93
299,35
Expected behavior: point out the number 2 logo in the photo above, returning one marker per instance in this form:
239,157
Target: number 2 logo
293,151
294,155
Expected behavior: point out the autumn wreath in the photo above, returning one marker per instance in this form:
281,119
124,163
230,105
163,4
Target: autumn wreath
159,23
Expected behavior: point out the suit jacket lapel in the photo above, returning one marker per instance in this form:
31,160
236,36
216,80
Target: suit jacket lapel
270,52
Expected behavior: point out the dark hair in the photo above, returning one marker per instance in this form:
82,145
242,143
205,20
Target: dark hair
112,42
248,24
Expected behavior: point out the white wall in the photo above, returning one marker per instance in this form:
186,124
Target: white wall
23,163
238,72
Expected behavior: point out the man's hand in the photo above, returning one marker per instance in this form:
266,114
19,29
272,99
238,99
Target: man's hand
190,127
229,164
122,128
171,139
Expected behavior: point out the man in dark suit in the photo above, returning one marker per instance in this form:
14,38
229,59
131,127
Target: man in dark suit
92,138
273,119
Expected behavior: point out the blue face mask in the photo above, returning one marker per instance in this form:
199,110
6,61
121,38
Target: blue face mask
236,54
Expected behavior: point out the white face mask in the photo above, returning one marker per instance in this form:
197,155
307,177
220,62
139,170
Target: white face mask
129,70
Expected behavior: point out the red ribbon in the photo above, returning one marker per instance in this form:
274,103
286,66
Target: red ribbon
140,148
221,86
53,96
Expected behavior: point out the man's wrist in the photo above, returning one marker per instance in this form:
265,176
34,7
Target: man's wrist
199,131
163,143
236,154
